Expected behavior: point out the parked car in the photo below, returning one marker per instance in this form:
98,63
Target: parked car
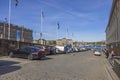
40,46
97,51
82,48
75,49
29,52
59,49
50,50
44,48
68,48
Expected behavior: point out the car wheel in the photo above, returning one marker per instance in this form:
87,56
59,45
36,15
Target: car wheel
30,57
11,54
54,53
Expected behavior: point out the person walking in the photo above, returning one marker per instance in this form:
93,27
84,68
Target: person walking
107,53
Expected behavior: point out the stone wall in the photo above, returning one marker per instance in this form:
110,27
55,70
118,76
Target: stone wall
7,45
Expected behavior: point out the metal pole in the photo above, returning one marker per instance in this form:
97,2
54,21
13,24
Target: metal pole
4,30
57,34
9,15
72,36
22,35
41,28
66,35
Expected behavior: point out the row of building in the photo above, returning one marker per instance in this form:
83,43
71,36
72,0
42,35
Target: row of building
60,42
16,33
26,35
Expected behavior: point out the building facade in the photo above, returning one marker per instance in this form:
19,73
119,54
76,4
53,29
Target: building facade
51,42
113,28
64,41
59,42
16,33
39,41
113,34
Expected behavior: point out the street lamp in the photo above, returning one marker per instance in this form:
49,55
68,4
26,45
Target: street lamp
9,16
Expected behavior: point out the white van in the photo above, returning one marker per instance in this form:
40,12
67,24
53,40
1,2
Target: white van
60,49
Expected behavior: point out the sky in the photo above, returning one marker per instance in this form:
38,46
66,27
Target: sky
80,20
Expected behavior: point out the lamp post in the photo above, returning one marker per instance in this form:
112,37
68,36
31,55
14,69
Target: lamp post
9,17
4,30
41,27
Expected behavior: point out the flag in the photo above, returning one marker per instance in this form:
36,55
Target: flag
58,25
16,2
6,20
41,34
42,14
67,29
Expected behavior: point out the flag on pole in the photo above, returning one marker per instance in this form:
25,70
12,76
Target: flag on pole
16,2
67,29
6,20
58,25
41,34
42,14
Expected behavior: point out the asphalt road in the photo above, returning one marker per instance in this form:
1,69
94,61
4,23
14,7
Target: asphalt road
77,66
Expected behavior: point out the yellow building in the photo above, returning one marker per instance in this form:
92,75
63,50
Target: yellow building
64,41
39,41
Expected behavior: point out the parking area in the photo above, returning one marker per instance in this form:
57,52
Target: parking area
76,66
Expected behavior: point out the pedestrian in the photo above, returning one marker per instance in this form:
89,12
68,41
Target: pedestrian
112,54
107,53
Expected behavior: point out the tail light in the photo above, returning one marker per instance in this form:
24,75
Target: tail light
45,49
38,53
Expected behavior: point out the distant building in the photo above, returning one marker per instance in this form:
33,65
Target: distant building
16,33
39,41
113,28
50,42
64,41
60,42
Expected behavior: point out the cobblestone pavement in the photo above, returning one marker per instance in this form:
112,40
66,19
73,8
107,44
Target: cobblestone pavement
77,66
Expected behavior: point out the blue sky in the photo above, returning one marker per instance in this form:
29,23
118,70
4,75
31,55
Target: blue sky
86,19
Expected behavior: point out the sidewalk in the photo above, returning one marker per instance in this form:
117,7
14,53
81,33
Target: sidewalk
110,72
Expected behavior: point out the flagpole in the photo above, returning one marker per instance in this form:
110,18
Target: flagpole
66,36
66,33
41,28
22,34
58,30
57,33
9,16
72,36
4,29
58,27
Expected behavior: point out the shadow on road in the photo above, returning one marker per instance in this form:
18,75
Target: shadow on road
7,63
8,66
